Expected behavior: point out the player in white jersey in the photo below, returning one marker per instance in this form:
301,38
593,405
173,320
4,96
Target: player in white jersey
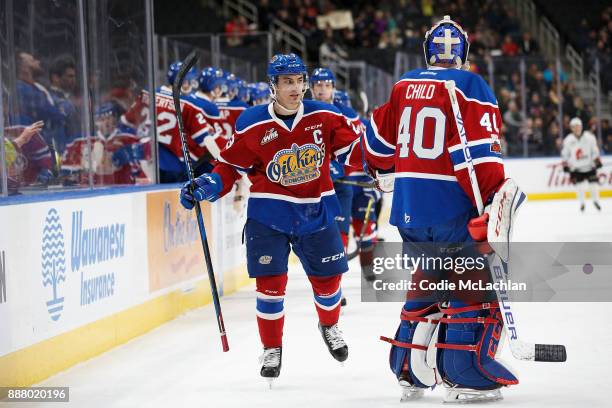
581,160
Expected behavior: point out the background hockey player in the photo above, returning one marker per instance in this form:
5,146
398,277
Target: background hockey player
415,132
285,149
114,153
210,86
364,200
171,168
581,160
230,104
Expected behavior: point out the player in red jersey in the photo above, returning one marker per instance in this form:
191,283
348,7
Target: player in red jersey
416,133
171,168
285,149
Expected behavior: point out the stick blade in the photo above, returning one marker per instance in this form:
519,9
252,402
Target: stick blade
550,352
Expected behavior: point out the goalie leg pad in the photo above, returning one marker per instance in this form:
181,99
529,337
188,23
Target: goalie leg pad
412,356
506,203
468,357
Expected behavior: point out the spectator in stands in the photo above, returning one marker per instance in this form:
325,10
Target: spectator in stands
28,157
509,47
62,86
235,30
527,45
34,102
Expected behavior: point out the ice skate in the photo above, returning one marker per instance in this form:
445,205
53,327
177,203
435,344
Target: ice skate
332,336
271,360
467,395
410,392
343,301
581,207
596,204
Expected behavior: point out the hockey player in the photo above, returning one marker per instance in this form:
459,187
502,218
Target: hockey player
365,200
210,85
285,149
322,86
114,153
416,132
581,160
171,168
230,105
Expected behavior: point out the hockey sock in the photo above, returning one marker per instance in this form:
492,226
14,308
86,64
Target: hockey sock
594,192
345,239
327,295
581,192
270,309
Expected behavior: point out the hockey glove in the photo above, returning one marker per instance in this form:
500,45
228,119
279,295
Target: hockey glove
208,187
44,176
598,164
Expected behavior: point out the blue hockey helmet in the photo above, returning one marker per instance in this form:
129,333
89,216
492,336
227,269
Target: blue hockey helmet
231,84
263,91
286,64
106,109
342,98
447,43
322,74
210,78
173,70
243,91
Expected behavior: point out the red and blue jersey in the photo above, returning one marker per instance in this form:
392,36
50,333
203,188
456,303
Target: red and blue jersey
196,129
229,112
416,134
287,162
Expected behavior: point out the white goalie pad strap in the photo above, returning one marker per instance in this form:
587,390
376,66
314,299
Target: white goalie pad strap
502,213
423,362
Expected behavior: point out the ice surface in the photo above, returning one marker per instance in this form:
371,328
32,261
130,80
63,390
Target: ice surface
180,364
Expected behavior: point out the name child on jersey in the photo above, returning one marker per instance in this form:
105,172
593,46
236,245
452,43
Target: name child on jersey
415,133
581,160
285,149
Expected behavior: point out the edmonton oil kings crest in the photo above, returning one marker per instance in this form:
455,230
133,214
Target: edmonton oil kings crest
297,165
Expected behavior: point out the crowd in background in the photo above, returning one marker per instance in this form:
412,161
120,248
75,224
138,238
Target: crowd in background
494,33
45,117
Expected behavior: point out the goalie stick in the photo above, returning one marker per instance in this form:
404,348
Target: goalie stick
521,350
188,63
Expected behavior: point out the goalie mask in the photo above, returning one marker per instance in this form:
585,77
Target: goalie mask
446,43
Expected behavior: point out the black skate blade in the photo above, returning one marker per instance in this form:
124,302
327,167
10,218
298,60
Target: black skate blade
550,352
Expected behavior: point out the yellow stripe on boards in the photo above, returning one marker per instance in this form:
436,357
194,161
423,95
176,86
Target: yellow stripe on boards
35,363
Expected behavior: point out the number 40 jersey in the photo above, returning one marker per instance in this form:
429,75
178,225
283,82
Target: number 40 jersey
416,133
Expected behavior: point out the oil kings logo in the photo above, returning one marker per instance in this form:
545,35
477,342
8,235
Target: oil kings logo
53,262
297,165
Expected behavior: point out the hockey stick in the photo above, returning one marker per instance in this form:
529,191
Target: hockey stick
176,94
366,184
521,350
